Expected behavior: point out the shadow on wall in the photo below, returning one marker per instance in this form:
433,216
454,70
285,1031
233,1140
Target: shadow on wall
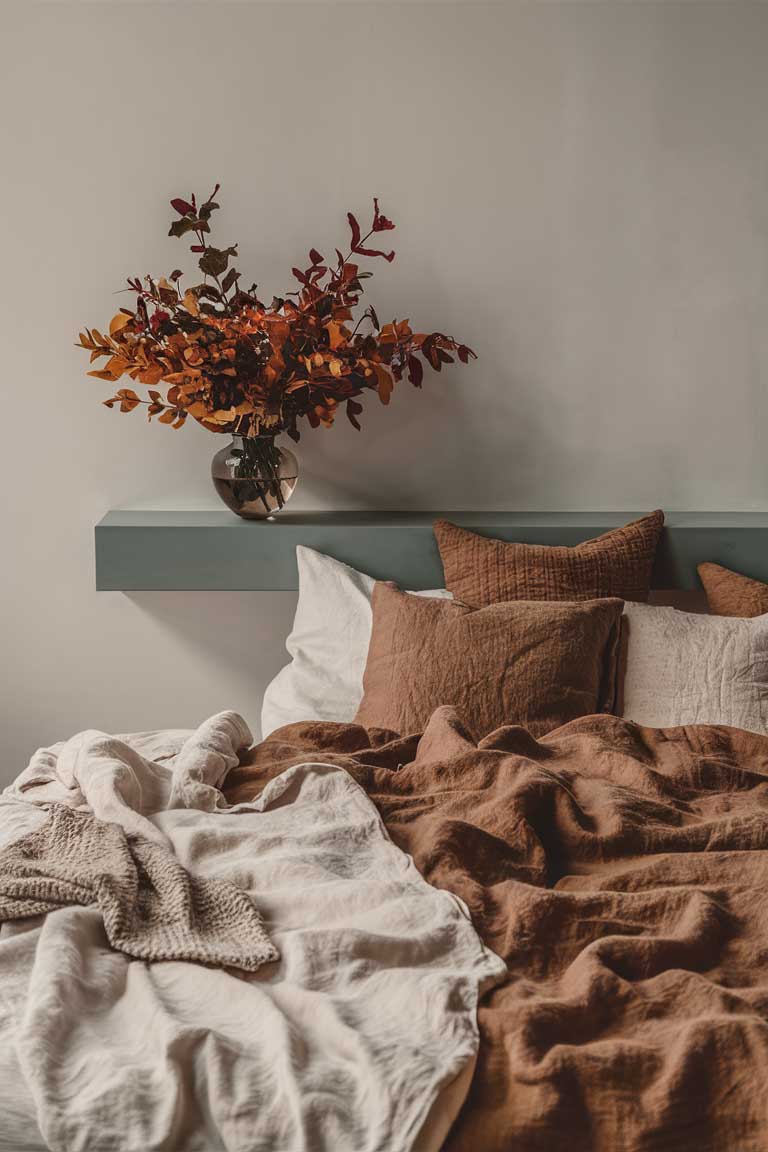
235,642
445,447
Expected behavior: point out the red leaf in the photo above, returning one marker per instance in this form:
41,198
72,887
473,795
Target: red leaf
415,371
157,319
355,230
380,223
353,411
315,256
183,207
388,256
197,248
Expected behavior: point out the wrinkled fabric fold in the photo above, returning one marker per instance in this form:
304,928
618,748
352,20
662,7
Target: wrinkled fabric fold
361,1036
622,873
151,907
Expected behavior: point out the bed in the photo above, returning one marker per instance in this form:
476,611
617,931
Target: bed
517,886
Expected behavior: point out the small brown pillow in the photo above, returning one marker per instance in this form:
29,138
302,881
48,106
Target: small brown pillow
480,571
729,594
534,664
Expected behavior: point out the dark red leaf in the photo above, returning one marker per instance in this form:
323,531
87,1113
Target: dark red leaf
355,230
388,256
415,371
353,411
183,207
380,222
157,319
315,256
197,247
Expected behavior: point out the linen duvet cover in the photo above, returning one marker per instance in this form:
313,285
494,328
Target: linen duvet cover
358,1031
622,874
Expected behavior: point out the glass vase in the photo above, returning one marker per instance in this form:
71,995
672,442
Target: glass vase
254,477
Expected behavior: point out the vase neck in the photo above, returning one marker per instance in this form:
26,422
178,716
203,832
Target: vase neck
266,438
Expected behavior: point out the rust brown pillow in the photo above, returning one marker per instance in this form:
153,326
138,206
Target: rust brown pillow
522,662
481,571
730,594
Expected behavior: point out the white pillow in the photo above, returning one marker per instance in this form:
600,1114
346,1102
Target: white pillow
685,668
329,644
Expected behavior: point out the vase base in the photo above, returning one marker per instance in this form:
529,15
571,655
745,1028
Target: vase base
253,500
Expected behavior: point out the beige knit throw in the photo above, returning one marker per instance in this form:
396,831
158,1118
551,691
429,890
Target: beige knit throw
153,909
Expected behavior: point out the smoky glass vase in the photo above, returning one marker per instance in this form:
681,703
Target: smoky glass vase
254,477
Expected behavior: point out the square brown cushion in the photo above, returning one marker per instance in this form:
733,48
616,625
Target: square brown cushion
729,594
534,664
481,571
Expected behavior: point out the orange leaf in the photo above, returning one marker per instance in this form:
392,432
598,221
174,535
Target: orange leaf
337,334
385,383
151,375
191,304
118,322
128,404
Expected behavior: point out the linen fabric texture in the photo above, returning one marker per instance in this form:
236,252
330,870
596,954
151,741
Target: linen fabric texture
731,594
328,644
687,668
481,571
522,662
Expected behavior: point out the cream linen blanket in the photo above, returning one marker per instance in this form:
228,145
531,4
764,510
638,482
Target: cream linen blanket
151,907
361,1037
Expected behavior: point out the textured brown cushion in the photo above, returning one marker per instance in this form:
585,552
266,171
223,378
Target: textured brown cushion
534,664
729,594
482,571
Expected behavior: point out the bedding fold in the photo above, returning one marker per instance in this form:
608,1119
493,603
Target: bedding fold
622,874
151,907
361,1037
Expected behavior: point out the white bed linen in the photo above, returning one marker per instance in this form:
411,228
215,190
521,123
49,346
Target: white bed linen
328,644
688,668
350,1042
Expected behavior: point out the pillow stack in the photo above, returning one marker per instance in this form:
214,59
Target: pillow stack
524,634
328,645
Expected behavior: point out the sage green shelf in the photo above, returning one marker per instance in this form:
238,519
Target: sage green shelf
216,550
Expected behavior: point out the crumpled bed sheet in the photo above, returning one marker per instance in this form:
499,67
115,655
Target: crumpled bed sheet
363,1035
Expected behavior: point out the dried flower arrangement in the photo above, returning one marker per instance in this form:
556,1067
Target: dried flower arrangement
240,366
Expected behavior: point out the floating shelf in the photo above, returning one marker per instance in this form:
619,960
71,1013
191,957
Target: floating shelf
216,551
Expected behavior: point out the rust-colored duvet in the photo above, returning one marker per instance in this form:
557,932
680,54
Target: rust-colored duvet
622,873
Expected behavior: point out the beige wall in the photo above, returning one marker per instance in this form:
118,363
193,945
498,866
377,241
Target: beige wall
582,194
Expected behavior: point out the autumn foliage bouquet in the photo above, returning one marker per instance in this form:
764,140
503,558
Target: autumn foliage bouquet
216,352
